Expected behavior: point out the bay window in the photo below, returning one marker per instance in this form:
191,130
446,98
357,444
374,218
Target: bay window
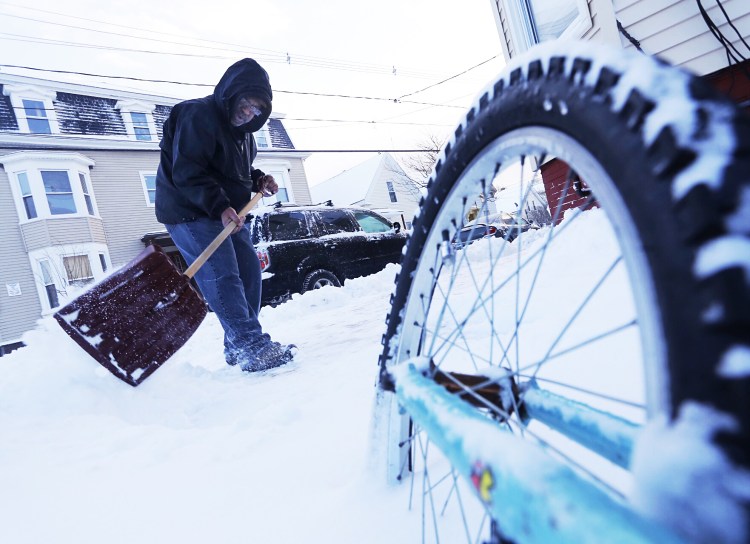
50,184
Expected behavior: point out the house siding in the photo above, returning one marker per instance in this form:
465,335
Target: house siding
65,232
121,200
554,174
298,179
17,313
378,196
675,30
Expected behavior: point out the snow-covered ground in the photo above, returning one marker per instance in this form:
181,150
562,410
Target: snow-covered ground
201,452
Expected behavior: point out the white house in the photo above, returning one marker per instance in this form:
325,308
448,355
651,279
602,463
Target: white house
378,183
77,183
710,42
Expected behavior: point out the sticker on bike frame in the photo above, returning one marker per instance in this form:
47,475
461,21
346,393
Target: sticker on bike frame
483,480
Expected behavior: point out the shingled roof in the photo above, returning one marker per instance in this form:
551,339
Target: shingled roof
96,114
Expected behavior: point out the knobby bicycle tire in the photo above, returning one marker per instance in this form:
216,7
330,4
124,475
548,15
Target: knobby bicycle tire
676,158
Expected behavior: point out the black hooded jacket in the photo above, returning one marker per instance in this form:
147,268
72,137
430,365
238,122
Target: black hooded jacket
206,163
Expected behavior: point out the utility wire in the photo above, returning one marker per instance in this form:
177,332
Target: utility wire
731,24
270,55
266,58
83,146
362,121
450,78
304,93
733,54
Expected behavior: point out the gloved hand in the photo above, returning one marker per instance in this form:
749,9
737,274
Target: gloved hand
230,216
267,185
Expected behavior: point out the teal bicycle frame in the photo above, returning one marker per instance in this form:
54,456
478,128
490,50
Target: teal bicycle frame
534,497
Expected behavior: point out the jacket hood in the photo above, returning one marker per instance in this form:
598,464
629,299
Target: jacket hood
245,76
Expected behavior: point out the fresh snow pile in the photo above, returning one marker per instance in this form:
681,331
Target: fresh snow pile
201,452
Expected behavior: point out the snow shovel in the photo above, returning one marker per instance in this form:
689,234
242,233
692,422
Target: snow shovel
137,318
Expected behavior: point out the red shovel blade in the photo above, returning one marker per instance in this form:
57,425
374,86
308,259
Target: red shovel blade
137,318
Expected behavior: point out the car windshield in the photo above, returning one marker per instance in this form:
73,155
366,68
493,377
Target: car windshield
371,223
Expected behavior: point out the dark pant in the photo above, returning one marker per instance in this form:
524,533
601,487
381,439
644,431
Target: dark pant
230,281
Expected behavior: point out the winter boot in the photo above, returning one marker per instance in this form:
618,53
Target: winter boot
266,354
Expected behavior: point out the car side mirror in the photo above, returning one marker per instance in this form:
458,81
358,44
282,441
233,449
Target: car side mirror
396,226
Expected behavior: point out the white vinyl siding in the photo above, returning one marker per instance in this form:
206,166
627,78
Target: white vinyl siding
676,31
293,176
126,213
17,313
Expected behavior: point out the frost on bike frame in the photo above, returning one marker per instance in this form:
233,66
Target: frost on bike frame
531,495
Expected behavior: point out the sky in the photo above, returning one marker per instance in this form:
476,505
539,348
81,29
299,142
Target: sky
202,452
343,48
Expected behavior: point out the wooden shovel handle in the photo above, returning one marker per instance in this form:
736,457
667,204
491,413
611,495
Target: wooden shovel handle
223,235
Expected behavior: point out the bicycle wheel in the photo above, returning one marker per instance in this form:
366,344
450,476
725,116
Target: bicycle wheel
633,300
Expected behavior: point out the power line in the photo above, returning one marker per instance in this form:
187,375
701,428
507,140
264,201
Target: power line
349,151
269,55
362,121
86,145
303,93
450,78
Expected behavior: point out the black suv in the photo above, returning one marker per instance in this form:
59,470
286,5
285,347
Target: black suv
305,247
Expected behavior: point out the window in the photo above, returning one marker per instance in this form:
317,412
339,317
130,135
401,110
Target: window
140,126
536,21
49,284
36,115
335,221
261,137
103,261
86,195
371,223
50,184
34,107
59,192
282,195
288,226
138,117
78,269
26,196
149,186
391,191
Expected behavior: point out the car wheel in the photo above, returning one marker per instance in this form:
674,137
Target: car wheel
319,278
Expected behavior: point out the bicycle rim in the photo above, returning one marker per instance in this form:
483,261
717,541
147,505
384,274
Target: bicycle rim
599,307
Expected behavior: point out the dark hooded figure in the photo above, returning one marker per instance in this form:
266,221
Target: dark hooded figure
205,175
